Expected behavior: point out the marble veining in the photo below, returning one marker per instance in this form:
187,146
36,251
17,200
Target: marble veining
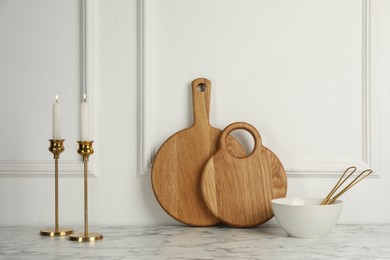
180,242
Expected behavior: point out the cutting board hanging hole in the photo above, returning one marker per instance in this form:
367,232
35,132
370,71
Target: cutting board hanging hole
246,140
257,143
201,87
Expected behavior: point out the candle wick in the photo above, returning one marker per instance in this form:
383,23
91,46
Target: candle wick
85,98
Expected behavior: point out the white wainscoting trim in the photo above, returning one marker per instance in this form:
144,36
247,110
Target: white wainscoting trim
24,168
146,151
89,81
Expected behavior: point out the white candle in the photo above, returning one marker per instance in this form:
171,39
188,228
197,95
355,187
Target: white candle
56,120
84,121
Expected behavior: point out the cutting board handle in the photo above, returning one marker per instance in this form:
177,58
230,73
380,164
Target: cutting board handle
201,92
244,126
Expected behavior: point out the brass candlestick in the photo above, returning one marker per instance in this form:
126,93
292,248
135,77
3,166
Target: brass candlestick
85,150
56,147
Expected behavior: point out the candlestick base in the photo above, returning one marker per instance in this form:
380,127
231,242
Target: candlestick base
51,232
80,237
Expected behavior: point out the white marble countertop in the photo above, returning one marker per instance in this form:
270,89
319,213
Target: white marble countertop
180,242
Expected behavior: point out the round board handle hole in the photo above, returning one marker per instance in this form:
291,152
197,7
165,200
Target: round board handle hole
247,128
246,140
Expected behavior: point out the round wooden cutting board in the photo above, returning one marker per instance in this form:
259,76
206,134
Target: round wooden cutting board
177,168
238,190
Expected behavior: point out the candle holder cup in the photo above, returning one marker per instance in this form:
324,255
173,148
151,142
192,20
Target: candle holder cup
56,148
85,150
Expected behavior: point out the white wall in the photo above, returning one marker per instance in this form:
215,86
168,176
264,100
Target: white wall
40,57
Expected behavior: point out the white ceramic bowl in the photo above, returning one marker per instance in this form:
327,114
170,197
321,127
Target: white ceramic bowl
305,217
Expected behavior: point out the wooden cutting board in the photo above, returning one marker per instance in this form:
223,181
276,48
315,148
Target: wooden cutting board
239,190
177,168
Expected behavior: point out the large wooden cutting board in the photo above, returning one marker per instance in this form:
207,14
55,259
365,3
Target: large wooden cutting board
239,190
178,165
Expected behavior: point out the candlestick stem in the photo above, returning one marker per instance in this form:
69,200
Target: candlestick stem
85,197
56,193
85,150
56,147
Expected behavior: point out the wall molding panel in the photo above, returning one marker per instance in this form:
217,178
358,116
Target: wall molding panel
294,168
89,83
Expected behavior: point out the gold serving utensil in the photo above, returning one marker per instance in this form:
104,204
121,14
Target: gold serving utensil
329,199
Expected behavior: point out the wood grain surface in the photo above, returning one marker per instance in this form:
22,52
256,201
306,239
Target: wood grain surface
177,168
239,190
